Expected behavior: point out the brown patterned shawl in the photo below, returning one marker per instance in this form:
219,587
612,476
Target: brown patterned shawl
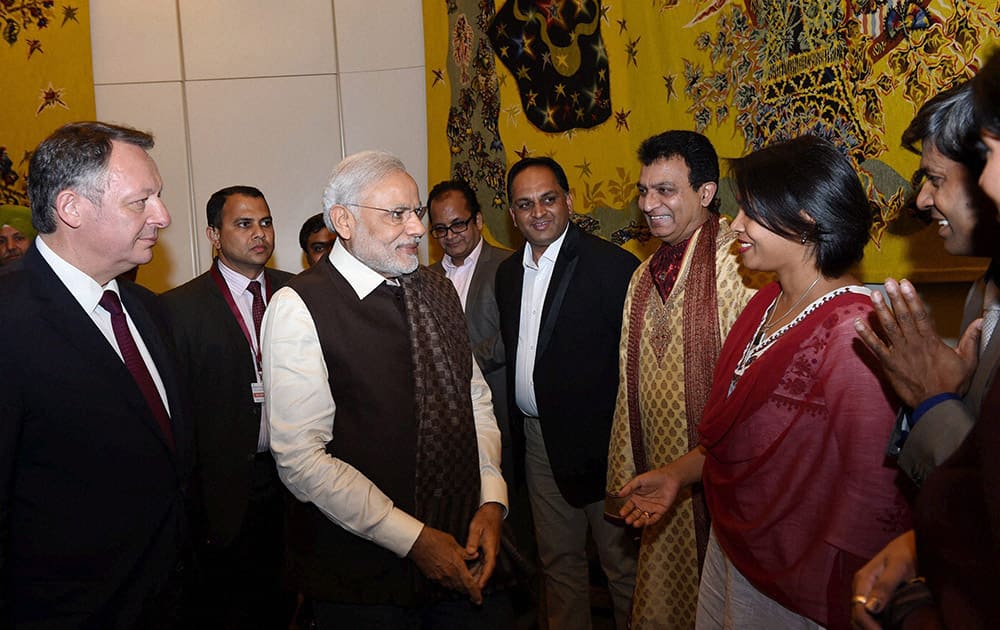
447,475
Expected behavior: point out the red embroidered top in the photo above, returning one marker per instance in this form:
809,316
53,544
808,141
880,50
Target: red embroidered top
798,490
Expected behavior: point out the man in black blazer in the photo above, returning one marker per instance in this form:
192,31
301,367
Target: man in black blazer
239,499
94,447
561,298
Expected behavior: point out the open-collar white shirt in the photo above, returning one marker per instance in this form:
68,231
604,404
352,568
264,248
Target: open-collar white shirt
537,277
461,275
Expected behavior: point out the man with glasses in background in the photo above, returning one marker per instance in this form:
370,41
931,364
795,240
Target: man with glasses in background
471,264
381,422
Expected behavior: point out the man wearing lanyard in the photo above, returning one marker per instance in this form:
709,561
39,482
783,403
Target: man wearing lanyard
216,323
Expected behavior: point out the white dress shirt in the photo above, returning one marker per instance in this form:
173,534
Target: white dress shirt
88,294
536,284
243,299
302,413
461,275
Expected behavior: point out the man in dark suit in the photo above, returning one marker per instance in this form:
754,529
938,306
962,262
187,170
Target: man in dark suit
94,441
561,298
216,320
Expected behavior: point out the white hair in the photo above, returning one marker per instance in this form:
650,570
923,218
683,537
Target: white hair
354,176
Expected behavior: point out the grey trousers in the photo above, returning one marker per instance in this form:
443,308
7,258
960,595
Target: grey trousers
561,533
726,599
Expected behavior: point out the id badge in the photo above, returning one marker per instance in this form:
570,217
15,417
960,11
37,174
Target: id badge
257,389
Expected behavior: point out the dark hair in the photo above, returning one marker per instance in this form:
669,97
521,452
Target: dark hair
456,185
695,149
986,88
213,209
75,156
806,189
312,225
948,122
528,162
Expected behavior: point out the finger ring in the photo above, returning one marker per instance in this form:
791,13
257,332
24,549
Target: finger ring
645,513
859,599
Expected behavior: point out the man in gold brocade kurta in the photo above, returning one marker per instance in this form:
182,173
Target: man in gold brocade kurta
680,305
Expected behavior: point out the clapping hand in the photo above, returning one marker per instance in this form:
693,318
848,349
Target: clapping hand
917,362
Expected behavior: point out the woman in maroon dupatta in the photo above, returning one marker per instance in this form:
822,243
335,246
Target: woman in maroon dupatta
794,432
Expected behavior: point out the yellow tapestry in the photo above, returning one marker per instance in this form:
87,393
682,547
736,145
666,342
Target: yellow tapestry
47,81
585,82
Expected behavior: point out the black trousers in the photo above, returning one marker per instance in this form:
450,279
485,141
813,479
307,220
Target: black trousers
241,585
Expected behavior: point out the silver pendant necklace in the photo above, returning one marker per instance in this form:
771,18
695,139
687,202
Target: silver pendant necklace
768,324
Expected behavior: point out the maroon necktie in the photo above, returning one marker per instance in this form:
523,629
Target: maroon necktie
257,308
135,364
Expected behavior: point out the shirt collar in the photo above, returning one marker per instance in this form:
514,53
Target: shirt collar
84,289
362,278
235,280
470,260
550,254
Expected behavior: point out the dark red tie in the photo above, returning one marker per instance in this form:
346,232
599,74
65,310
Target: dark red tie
135,364
257,307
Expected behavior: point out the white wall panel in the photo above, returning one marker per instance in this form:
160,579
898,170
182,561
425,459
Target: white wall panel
135,41
258,81
379,34
158,109
281,135
256,38
367,98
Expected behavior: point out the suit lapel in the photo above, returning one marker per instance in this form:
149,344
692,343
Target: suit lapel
220,315
513,309
478,277
64,314
562,275
60,309
981,379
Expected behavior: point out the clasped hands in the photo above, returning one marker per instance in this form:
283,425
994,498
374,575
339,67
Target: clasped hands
463,569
